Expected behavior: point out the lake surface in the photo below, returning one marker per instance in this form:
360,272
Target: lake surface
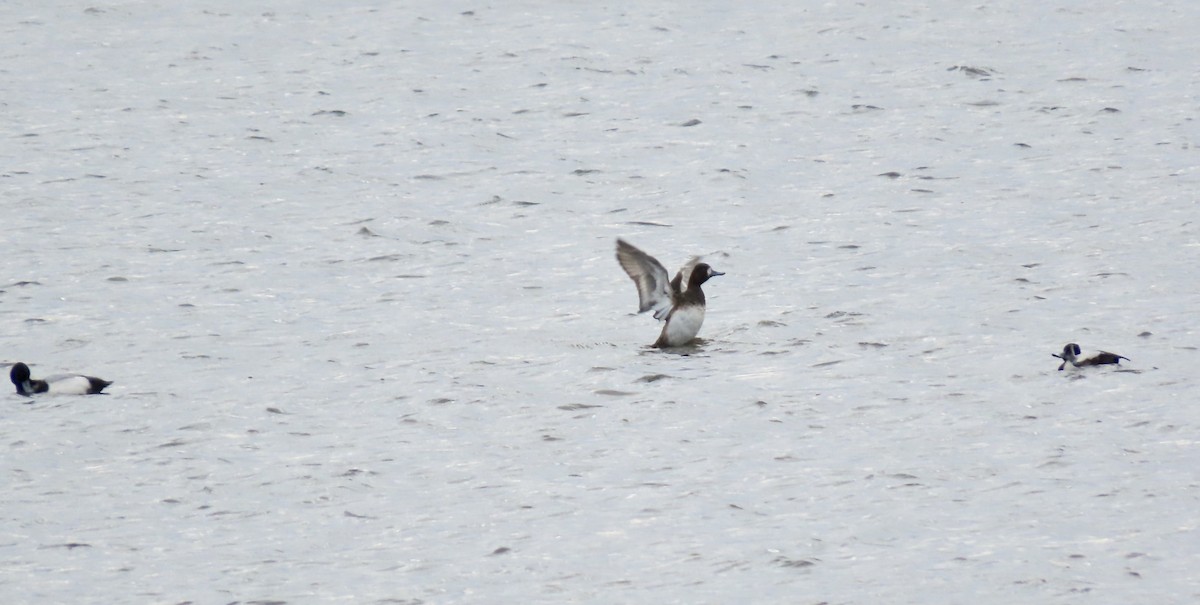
350,266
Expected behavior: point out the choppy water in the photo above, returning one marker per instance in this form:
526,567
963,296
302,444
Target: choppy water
350,268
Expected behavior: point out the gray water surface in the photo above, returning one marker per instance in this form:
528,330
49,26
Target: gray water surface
351,269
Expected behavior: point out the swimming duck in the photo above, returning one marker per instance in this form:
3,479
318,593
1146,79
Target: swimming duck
683,309
60,384
1071,353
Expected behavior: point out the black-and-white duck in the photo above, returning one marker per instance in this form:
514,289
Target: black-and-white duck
682,308
59,384
1073,355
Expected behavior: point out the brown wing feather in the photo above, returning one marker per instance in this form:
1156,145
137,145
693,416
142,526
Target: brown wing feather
648,275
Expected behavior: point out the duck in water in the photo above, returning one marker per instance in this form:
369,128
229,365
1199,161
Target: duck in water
682,308
59,384
1071,354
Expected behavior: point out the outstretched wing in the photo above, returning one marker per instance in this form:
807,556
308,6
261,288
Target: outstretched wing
684,276
650,277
